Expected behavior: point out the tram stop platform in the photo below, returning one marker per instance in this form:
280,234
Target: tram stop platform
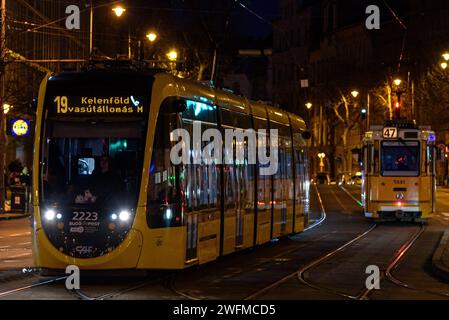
440,259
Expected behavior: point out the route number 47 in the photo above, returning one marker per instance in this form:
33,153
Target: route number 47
390,133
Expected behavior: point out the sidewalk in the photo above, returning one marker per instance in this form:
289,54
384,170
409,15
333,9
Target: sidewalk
440,259
12,216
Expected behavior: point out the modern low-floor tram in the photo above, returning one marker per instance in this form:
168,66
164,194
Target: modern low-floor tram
107,196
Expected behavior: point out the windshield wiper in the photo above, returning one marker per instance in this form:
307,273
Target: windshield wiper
407,147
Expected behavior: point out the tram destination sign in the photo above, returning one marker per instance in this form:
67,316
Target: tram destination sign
94,105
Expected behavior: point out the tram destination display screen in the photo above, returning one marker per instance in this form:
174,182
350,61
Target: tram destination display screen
63,105
400,158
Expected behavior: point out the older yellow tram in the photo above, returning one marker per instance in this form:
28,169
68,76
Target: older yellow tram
398,176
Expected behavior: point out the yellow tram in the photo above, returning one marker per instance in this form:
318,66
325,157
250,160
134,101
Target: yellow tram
107,196
398,176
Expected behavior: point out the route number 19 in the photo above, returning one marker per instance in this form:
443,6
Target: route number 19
61,104
390,133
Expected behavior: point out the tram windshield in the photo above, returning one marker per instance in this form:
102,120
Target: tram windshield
89,163
400,158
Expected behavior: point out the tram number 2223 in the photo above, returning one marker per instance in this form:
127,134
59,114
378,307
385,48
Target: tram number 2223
390,133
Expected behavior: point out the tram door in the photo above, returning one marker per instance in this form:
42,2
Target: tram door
192,236
366,175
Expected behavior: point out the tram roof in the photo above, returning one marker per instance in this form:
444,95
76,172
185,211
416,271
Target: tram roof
194,89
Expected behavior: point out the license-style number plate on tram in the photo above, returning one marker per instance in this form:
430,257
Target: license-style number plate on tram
390,133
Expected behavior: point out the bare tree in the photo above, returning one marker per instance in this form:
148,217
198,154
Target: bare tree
347,116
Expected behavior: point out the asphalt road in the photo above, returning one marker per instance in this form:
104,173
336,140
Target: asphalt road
15,244
326,262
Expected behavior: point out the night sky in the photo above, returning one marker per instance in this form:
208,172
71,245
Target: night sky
249,25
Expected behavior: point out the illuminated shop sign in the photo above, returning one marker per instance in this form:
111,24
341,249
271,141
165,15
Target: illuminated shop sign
85,105
20,127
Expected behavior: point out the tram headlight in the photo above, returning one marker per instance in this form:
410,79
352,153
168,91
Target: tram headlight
124,215
50,214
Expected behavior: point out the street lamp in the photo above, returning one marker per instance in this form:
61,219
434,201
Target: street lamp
6,108
119,11
446,56
397,82
309,105
152,36
355,93
443,65
172,55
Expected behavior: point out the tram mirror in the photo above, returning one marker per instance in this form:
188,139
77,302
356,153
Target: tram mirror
306,135
173,105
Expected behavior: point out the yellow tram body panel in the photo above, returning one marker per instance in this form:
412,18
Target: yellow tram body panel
417,196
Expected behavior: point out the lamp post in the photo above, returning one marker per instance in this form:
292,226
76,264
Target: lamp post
397,86
321,156
118,10
2,102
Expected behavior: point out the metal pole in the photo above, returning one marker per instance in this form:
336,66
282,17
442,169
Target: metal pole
129,43
413,99
367,111
214,62
91,29
2,114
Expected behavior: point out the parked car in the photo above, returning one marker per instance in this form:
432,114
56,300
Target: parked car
356,180
322,178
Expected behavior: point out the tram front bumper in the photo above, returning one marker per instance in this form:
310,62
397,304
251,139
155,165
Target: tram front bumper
392,213
125,256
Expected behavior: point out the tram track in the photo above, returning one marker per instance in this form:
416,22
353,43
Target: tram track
82,295
31,286
396,262
172,284
364,293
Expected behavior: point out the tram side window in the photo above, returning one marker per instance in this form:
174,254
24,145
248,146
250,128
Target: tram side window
430,161
263,181
283,182
199,181
371,159
164,200
238,176
376,158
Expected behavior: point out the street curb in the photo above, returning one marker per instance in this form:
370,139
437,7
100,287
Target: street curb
16,217
438,266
